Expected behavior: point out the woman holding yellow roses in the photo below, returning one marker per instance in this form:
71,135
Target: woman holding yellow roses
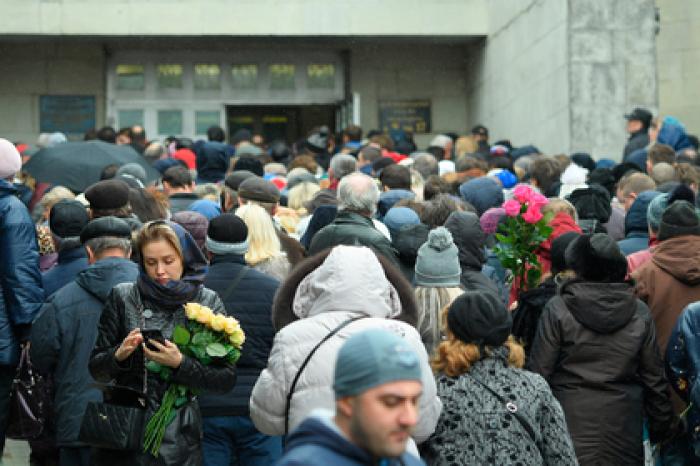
157,301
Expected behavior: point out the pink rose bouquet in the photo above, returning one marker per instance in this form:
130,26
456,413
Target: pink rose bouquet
525,229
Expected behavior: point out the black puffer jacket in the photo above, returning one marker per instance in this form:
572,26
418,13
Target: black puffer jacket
596,346
21,294
251,303
122,313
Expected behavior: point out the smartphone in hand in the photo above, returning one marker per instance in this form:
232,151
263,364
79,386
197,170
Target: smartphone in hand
152,334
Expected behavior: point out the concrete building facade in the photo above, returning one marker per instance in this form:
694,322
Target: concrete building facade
555,73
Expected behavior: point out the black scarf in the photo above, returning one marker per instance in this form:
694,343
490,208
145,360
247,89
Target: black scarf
171,296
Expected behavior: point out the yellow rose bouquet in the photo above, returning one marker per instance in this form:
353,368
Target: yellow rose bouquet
207,337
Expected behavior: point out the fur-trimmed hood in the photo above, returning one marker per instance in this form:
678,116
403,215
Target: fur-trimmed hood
345,278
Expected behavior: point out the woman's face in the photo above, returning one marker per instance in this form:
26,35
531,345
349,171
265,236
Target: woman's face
161,261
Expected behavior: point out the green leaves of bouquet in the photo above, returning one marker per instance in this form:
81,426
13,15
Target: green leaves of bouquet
210,339
524,230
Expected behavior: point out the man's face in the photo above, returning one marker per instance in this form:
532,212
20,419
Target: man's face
626,200
383,418
633,126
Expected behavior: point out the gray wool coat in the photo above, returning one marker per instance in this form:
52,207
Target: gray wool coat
475,428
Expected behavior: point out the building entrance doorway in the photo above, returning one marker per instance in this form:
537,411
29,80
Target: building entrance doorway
286,122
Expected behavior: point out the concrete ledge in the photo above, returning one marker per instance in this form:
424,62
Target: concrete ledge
246,17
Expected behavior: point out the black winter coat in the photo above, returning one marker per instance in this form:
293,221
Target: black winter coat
596,346
526,316
470,241
181,443
21,294
251,303
63,336
352,229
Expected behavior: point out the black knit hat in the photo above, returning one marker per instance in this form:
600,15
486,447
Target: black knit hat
680,218
105,226
227,234
68,218
558,250
227,228
479,317
258,189
108,194
596,258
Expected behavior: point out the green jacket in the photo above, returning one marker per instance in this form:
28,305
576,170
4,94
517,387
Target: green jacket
352,229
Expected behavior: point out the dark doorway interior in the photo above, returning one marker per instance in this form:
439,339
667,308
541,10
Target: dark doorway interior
289,123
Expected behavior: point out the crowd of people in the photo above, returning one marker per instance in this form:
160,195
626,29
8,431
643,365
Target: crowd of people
381,327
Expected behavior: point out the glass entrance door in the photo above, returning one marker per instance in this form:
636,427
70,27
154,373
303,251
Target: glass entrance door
287,123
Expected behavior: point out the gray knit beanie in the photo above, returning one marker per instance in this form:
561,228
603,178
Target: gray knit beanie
438,260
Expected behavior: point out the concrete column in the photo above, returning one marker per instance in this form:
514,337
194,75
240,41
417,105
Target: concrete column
561,74
612,69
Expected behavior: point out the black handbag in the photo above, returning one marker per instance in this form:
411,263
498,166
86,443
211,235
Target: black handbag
30,401
118,422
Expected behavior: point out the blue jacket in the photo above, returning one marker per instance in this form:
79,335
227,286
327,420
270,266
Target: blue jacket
636,225
212,161
683,363
673,134
21,294
63,337
316,443
70,262
251,303
387,199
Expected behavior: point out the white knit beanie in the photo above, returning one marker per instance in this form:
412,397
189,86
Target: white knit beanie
10,160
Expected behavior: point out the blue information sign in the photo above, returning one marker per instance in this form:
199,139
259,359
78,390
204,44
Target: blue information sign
70,114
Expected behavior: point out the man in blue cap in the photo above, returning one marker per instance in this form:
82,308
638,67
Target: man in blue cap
377,384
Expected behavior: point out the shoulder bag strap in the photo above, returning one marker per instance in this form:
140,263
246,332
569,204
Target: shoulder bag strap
512,408
303,365
237,279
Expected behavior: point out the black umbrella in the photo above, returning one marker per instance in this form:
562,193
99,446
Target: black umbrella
77,165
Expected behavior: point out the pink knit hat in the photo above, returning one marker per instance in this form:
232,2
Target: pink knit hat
10,160
489,219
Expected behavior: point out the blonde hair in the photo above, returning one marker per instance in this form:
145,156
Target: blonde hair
417,184
57,193
431,301
556,205
300,194
465,145
454,357
263,243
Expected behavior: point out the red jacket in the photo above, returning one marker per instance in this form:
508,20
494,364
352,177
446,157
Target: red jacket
561,223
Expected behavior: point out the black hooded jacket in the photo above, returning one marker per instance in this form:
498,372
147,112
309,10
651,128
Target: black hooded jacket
470,240
407,241
596,346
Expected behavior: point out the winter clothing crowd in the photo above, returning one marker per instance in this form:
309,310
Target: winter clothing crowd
381,327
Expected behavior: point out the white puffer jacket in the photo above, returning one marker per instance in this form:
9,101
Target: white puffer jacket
350,282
